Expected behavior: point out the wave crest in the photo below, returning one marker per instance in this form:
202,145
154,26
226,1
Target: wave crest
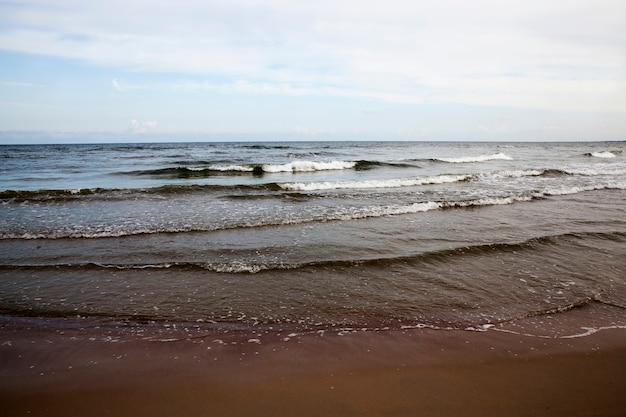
441,255
256,169
603,154
368,184
480,158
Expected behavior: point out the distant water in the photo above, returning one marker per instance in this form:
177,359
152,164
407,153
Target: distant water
315,235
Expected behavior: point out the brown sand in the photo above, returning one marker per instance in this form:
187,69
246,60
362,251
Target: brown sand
389,373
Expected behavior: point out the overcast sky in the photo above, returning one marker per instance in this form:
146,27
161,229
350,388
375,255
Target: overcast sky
393,69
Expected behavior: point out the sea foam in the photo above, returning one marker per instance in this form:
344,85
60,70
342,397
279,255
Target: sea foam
604,169
480,158
568,190
604,154
294,166
309,166
223,168
368,184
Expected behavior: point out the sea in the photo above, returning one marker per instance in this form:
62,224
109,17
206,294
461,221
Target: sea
286,238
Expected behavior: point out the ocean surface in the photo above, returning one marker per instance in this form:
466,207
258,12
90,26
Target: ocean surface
315,236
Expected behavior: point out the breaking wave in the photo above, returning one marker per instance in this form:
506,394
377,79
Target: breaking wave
367,184
271,188
309,166
444,179
340,214
256,169
595,170
603,154
480,158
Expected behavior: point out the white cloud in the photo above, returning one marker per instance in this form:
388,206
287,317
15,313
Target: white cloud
288,89
137,126
117,85
18,84
557,55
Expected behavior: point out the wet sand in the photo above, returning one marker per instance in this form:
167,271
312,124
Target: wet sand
416,372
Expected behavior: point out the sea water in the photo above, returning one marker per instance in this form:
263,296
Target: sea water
314,236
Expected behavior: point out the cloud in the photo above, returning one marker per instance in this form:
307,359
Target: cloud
128,87
117,85
137,126
19,84
532,54
293,90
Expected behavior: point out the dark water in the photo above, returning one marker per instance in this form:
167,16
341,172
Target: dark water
315,236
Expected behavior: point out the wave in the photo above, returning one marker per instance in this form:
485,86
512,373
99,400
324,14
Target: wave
189,169
360,213
309,166
480,158
595,170
20,196
345,214
368,184
342,214
603,154
443,255
184,172
261,146
363,165
200,171
42,195
557,309
112,194
568,190
586,171
439,179
238,267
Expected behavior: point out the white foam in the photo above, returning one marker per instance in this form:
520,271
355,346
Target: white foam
588,331
348,214
490,201
605,169
309,166
564,190
420,326
604,154
413,208
353,213
368,184
145,266
236,267
516,173
295,166
428,206
240,168
480,158
591,330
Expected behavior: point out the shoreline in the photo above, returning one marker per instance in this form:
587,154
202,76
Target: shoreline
425,372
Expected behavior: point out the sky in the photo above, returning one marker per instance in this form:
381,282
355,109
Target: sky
76,70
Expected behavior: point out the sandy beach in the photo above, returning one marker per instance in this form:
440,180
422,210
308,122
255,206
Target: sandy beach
413,372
